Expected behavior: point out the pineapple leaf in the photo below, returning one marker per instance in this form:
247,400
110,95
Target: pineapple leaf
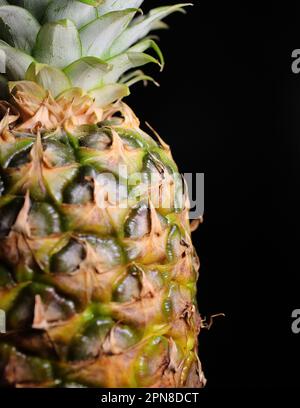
109,93
35,7
17,62
159,25
94,3
80,13
87,72
91,72
58,44
144,45
18,27
115,5
126,61
98,36
50,78
141,27
140,77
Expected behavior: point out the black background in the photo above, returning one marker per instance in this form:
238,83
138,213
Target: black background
229,106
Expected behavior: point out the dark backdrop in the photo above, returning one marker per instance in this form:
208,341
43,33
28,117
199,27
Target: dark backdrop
228,105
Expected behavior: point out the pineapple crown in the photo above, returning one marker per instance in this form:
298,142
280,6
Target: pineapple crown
64,48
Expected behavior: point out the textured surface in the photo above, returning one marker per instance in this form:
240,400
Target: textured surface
95,294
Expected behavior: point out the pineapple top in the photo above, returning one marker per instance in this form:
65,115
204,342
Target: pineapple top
63,45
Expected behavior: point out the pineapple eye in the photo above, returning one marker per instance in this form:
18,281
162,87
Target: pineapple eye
131,138
20,158
67,259
153,166
87,171
88,344
8,215
43,220
137,224
124,336
174,244
131,143
114,121
57,154
21,315
98,140
128,289
108,250
151,357
57,308
80,193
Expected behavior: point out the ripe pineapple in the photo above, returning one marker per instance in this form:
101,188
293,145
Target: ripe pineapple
98,273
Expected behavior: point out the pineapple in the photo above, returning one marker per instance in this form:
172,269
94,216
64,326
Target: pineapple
98,272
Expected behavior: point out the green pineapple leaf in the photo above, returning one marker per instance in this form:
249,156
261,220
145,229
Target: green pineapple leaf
94,3
16,61
141,27
126,61
138,77
87,72
91,72
109,93
114,5
144,45
80,13
18,27
98,36
50,78
35,7
159,25
58,44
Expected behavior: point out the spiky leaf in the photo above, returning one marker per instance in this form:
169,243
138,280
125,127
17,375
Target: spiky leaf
114,5
17,62
92,2
133,58
18,27
50,78
126,61
36,7
58,44
76,11
87,72
97,36
142,27
109,93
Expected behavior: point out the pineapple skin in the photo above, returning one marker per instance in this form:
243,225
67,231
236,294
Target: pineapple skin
95,295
